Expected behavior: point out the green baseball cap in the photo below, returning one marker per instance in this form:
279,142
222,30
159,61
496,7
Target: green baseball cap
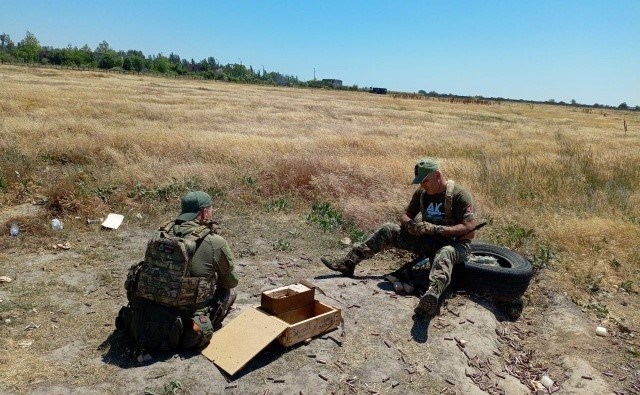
192,203
424,167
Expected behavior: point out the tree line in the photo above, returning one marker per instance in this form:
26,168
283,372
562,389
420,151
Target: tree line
29,50
104,57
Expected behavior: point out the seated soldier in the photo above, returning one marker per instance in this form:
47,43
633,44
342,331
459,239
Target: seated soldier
183,289
443,234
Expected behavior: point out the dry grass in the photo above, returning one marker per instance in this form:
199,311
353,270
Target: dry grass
553,181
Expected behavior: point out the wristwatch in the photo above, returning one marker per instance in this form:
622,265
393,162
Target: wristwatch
440,230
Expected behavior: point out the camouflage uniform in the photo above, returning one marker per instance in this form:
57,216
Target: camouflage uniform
443,252
452,206
187,324
214,258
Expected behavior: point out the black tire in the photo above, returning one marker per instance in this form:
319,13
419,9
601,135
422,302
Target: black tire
505,281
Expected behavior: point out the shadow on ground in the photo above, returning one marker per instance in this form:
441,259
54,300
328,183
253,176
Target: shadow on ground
118,350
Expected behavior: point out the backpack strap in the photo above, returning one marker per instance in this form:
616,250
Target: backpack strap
200,232
198,236
193,239
448,201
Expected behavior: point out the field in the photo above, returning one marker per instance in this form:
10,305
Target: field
560,185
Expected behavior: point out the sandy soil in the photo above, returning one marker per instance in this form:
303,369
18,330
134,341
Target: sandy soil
58,335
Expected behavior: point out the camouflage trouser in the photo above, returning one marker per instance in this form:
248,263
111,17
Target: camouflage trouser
223,299
443,252
207,319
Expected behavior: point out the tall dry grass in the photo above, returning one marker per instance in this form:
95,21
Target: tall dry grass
553,181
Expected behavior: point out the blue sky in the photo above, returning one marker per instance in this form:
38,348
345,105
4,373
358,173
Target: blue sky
538,50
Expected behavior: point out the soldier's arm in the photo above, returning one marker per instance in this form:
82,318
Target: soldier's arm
465,214
412,209
404,218
223,257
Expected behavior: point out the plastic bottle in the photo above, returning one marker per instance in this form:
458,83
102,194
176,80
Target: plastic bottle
15,230
601,331
56,224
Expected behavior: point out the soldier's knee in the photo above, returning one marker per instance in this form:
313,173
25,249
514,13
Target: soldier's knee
446,252
389,229
391,226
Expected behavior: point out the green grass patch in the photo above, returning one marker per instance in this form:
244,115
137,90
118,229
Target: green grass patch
281,245
514,236
627,286
105,192
278,204
325,216
164,192
358,235
543,257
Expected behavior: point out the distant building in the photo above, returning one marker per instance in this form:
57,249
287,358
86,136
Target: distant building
380,91
331,83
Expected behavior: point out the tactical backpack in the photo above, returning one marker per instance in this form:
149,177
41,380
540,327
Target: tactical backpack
164,275
167,308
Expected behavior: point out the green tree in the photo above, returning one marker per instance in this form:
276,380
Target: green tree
28,48
106,57
212,63
161,64
137,62
174,58
5,43
623,106
6,47
127,64
84,56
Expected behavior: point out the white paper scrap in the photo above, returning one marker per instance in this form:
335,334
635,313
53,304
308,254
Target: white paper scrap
113,221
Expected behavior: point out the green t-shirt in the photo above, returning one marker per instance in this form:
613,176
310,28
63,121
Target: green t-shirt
434,206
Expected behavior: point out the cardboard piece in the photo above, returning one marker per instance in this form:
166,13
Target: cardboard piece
113,221
235,344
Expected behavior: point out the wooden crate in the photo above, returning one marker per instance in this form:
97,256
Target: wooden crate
300,317
287,298
308,321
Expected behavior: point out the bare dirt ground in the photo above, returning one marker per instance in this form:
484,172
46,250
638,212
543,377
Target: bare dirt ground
58,311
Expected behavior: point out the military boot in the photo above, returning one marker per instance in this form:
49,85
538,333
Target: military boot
345,266
428,304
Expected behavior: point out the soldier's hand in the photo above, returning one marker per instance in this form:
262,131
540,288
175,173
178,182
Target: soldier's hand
213,226
412,227
425,228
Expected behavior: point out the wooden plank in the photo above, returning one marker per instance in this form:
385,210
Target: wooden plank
325,319
235,344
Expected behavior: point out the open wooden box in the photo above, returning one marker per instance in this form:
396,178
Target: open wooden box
299,317
287,298
308,321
